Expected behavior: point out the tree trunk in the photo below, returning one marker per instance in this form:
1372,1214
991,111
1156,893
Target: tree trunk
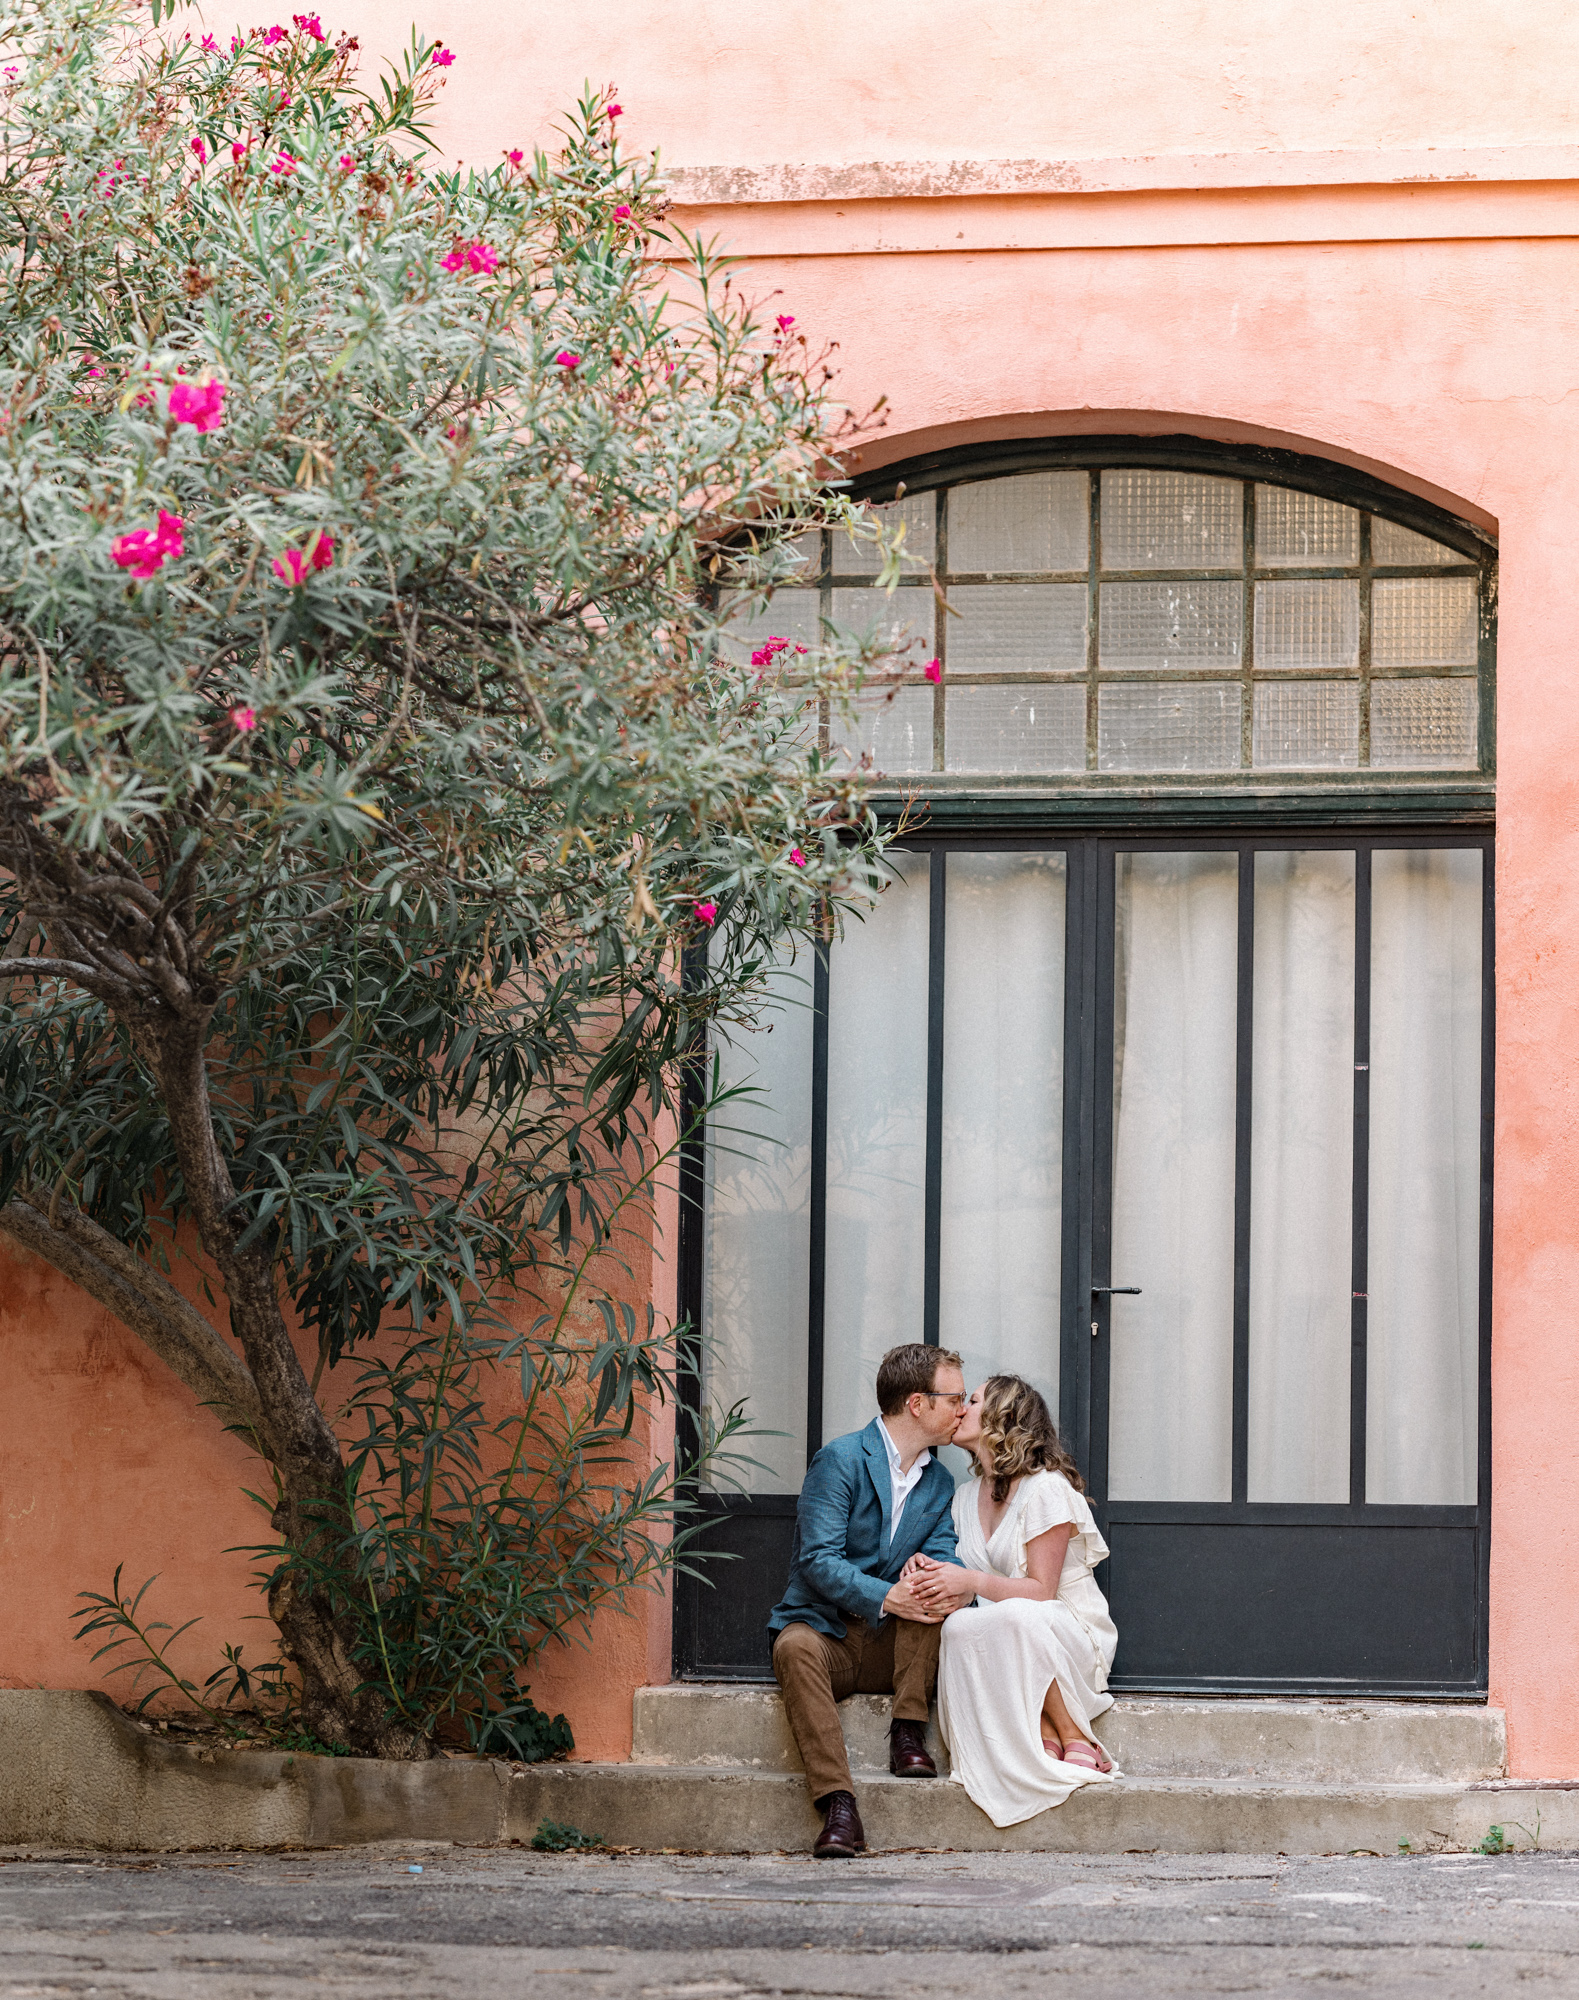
312,1514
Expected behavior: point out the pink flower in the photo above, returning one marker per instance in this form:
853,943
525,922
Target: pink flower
785,322
243,719
347,162
285,100
616,111
273,35
515,156
94,374
482,258
292,566
310,25
240,149
442,58
622,213
145,551
706,913
210,45
200,404
797,858
934,671
285,164
764,655
568,361
201,151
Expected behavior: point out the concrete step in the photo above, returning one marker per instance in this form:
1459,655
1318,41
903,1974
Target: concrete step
1163,1739
741,1811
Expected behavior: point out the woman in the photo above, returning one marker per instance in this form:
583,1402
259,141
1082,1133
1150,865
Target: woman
1023,1671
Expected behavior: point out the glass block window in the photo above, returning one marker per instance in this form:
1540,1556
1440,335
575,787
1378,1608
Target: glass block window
1120,620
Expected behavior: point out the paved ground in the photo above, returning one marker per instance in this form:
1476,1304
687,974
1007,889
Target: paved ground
481,1924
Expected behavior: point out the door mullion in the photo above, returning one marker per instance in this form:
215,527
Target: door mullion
1100,1170
1244,1066
1074,1374
1360,1304
817,1220
932,1236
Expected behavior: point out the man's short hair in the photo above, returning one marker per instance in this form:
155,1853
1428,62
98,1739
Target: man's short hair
910,1371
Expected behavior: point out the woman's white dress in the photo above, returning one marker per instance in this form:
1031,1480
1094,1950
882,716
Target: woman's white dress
998,1660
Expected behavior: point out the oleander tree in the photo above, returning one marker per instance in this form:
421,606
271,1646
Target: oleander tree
372,756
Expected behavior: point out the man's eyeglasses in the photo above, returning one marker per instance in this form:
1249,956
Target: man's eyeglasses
958,1397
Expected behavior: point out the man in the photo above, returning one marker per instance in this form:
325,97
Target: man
846,1624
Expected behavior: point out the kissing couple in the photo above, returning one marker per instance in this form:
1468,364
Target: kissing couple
898,1584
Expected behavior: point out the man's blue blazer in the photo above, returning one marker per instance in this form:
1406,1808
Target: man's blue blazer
843,1564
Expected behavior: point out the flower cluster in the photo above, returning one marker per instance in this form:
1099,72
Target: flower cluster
293,565
310,24
769,650
478,257
934,671
200,404
146,550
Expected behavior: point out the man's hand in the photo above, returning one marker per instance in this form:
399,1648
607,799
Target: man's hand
902,1602
944,1587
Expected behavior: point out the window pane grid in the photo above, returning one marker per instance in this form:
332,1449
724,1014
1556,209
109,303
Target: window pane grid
1197,582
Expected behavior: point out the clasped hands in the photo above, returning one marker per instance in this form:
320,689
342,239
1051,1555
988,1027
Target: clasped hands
928,1590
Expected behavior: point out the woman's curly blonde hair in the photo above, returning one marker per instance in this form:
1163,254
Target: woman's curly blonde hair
1019,1436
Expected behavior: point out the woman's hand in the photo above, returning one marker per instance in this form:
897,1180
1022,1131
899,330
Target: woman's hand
945,1587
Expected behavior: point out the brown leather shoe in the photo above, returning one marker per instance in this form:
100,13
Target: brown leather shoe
843,1835
907,1751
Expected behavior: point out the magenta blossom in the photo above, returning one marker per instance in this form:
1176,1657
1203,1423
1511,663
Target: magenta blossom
310,25
785,322
347,162
442,58
622,213
209,45
706,913
476,257
292,566
765,654
239,150
243,719
934,671
797,858
515,156
616,111
200,404
201,151
568,361
273,35
285,164
145,551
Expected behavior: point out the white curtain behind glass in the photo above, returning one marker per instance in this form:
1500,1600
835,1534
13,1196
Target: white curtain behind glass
1003,1116
756,1215
1302,1178
1175,1018
877,1102
1423,1324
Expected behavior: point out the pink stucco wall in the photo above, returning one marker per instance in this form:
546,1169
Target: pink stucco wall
1348,229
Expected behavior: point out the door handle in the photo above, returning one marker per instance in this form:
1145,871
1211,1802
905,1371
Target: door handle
1115,1291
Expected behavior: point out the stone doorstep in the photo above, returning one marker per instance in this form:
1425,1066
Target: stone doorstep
723,1725
79,1774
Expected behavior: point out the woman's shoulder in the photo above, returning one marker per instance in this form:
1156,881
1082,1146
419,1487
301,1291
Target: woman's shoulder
1051,1496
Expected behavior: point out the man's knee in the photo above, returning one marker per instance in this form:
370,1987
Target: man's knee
799,1650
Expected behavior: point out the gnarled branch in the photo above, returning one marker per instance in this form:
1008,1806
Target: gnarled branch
143,1300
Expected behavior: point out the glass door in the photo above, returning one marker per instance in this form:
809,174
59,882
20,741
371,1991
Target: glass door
1287,1318
1194,1135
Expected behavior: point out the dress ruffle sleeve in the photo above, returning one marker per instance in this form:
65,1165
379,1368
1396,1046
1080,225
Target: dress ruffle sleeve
1049,1502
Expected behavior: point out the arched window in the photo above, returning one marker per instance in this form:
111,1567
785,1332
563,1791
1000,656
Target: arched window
1123,610
1161,1071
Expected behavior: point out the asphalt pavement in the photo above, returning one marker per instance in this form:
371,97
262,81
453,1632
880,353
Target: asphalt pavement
485,1923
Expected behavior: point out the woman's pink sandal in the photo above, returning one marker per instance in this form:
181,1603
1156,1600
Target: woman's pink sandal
1088,1756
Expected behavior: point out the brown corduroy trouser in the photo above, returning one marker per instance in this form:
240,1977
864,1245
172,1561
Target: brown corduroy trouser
900,1656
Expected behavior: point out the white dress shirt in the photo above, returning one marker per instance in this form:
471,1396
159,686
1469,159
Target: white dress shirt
901,1484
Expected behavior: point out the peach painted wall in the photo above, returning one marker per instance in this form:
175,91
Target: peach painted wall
106,1459
1348,228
